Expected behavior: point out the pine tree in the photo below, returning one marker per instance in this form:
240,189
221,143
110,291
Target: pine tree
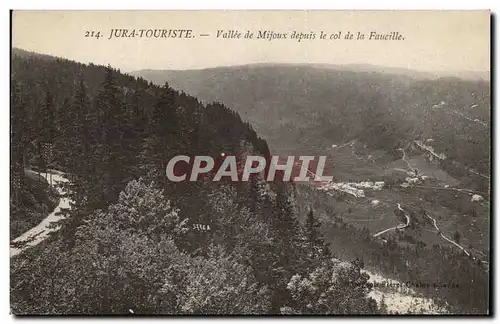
134,132
162,141
286,255
82,155
48,129
19,125
316,244
109,148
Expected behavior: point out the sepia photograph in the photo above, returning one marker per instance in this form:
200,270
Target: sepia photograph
250,162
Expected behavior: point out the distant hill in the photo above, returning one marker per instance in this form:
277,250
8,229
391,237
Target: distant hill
302,107
20,53
125,247
367,68
282,97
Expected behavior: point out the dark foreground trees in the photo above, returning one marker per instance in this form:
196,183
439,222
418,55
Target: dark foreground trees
127,259
131,242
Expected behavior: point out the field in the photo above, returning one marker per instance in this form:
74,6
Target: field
453,210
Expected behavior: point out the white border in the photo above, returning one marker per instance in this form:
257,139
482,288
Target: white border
185,4
256,4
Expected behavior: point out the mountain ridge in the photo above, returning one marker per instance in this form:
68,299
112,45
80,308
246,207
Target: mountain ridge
352,67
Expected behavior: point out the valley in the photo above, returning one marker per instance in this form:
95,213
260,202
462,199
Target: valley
396,142
407,204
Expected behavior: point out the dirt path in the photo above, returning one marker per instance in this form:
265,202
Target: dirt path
40,232
401,226
434,223
451,241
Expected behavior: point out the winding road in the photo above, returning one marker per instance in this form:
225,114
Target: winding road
401,226
434,223
40,232
446,238
404,159
431,218
408,220
453,242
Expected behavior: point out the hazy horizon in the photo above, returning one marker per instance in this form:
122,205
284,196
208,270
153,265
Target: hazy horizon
447,73
435,41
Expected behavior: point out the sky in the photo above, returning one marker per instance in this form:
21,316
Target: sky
435,41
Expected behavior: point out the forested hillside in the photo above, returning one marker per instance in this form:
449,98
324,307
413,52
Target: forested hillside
427,140
307,108
133,242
